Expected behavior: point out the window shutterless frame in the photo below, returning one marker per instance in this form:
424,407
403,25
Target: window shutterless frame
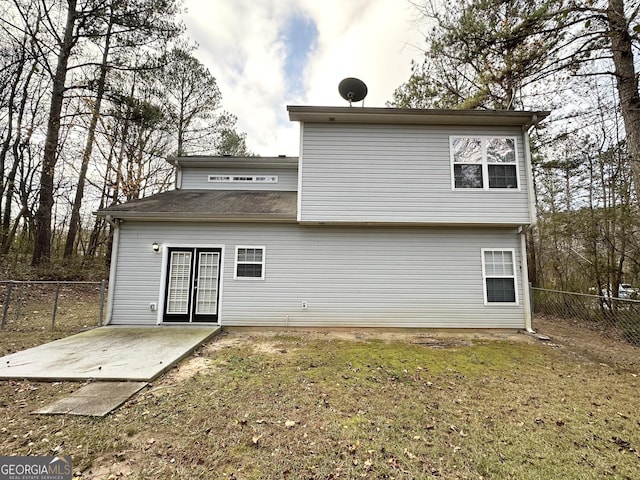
499,280
484,162
249,262
242,178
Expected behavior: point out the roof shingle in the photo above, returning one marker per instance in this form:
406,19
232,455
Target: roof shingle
227,205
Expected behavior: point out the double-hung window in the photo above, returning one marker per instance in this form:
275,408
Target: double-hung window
249,263
499,275
483,162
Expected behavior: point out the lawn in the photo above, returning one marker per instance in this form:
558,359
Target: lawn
314,405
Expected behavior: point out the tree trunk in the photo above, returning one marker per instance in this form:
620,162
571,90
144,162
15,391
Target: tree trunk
42,245
8,233
7,185
74,223
627,83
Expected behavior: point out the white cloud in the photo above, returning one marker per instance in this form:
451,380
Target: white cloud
241,43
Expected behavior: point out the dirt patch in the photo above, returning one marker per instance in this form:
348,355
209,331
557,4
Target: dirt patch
266,343
441,343
188,368
219,342
426,336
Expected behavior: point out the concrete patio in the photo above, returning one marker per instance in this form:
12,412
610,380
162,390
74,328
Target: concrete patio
112,353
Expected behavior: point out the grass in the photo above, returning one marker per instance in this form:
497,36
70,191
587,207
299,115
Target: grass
253,405
28,320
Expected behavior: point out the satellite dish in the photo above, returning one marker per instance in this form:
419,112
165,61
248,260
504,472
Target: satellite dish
352,89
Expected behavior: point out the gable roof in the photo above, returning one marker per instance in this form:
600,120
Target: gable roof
210,205
414,116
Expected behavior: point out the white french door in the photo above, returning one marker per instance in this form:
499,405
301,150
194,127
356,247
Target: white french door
193,285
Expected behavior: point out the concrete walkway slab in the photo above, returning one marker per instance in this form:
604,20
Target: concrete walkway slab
94,400
112,353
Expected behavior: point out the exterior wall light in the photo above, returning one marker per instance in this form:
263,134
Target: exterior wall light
155,247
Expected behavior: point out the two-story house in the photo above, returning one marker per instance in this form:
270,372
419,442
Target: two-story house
388,218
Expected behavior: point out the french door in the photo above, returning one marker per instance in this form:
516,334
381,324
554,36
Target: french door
193,285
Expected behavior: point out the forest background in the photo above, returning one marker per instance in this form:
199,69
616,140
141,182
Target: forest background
95,94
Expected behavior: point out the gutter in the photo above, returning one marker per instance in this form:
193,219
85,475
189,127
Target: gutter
113,267
526,291
187,217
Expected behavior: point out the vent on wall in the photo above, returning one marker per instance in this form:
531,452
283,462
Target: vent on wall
243,178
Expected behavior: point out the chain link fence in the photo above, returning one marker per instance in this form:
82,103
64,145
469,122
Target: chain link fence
30,306
614,318
605,326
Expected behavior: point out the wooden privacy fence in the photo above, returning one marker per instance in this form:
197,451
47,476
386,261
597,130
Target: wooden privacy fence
25,304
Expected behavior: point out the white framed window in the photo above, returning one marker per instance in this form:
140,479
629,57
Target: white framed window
249,263
481,162
499,276
243,178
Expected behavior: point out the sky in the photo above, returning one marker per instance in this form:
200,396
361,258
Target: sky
267,54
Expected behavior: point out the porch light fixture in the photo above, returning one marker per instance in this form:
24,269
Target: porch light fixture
155,247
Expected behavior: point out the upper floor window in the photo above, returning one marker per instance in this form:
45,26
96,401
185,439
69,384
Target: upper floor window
484,162
243,178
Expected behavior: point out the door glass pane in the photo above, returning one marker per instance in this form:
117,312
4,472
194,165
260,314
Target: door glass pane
207,296
179,281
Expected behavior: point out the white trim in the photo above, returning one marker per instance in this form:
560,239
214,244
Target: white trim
113,269
163,282
484,163
300,164
262,263
513,275
533,218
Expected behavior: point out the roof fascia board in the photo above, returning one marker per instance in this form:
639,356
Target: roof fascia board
232,162
514,225
413,116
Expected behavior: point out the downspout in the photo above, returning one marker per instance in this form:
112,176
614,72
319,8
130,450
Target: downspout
526,291
112,269
529,167
178,174
522,230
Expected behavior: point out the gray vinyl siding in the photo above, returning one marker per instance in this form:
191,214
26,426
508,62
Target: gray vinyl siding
399,173
196,178
349,276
